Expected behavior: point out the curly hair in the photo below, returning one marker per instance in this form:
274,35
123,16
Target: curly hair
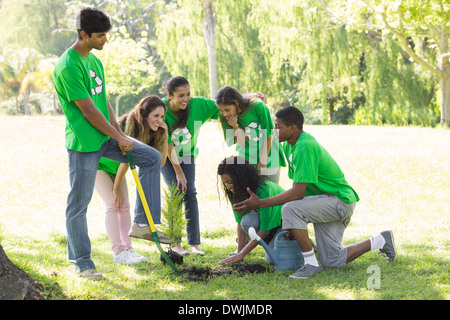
243,175
135,123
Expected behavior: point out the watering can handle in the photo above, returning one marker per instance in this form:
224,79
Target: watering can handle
281,234
252,234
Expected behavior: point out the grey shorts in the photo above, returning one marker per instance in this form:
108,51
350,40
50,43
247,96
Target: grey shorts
330,216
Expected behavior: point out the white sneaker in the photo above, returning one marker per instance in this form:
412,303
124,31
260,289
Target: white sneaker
136,257
121,258
126,258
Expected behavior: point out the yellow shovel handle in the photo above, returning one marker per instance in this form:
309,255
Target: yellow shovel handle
141,192
144,200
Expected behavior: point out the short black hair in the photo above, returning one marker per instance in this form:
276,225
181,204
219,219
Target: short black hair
92,20
291,116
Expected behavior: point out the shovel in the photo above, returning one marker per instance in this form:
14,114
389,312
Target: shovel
147,212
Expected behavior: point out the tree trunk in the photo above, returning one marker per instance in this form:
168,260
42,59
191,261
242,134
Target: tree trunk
445,97
14,283
26,99
210,37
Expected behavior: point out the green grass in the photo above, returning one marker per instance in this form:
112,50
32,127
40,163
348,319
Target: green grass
401,175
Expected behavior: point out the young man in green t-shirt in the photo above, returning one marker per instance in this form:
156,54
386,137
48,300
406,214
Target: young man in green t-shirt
92,132
319,195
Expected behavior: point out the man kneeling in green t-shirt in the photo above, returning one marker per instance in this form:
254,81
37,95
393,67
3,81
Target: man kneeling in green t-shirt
319,195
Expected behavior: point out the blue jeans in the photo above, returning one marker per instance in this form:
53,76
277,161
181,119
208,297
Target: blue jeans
82,173
190,197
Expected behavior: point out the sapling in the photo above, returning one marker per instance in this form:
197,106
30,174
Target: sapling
174,220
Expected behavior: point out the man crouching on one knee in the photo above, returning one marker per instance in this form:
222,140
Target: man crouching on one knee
319,195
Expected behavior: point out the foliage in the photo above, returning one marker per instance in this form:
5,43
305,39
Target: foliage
174,221
31,23
135,70
181,44
23,72
371,62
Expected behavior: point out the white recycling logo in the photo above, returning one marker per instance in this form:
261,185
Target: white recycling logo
99,88
254,131
292,165
181,136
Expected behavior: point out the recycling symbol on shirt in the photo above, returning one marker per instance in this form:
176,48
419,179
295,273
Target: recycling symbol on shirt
181,136
290,162
99,88
254,131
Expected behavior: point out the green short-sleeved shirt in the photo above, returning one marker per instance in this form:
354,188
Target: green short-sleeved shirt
310,163
185,139
257,124
75,78
109,166
270,217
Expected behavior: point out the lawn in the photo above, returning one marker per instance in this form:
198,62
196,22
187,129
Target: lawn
401,174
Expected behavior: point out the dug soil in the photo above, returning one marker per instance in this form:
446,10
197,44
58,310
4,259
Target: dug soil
204,274
193,273
174,256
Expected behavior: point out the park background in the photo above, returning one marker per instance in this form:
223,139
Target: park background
371,78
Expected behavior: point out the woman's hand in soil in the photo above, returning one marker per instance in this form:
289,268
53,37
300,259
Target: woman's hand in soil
232,259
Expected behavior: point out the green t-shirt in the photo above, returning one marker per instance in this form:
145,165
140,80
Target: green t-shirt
310,163
185,139
75,78
257,125
109,166
270,217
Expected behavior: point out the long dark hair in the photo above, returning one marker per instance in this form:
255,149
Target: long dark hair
243,175
135,123
231,96
170,87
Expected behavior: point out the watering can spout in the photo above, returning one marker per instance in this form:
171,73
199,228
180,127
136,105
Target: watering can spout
271,252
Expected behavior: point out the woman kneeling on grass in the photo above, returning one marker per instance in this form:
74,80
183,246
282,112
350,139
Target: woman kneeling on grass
237,175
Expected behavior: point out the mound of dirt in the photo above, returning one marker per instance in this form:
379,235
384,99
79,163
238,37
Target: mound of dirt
193,273
174,256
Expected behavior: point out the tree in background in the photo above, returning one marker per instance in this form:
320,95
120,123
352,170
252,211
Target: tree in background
32,24
210,39
128,67
20,70
419,27
339,61
342,70
182,46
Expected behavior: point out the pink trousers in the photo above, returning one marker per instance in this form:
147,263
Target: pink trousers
117,220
